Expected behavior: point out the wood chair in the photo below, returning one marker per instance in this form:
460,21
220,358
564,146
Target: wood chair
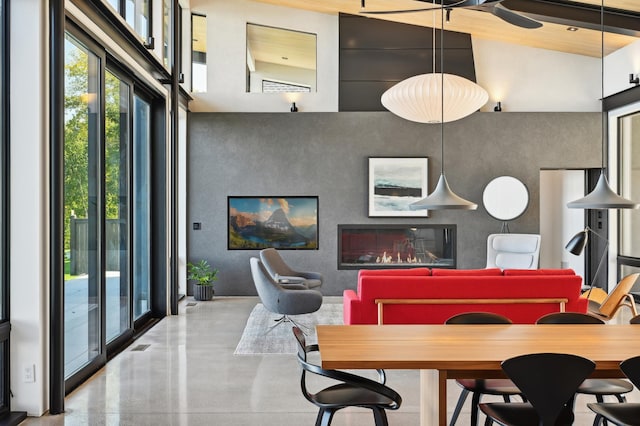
350,391
479,387
621,414
548,381
605,305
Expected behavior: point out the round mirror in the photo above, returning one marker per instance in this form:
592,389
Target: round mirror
505,198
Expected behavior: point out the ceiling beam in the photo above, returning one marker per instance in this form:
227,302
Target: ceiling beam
579,15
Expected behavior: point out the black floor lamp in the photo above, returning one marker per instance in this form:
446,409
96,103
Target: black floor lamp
577,244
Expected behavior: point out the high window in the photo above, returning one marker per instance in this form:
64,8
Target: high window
198,53
137,13
166,33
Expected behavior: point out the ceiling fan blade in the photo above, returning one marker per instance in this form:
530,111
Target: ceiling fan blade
514,18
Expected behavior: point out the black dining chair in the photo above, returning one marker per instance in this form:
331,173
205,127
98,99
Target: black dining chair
352,391
627,414
548,381
479,387
596,387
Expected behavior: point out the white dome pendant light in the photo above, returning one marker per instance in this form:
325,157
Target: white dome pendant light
442,197
602,196
420,98
417,98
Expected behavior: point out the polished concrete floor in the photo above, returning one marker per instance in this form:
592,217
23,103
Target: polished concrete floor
189,376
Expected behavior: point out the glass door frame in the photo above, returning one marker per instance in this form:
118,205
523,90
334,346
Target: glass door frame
115,345
79,376
618,106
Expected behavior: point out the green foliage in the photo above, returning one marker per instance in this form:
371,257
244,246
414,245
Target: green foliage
82,129
201,272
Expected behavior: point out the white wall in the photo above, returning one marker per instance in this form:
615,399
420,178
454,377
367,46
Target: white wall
558,223
530,79
619,65
226,57
29,204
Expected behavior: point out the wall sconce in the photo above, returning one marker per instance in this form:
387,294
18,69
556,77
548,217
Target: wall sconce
294,108
634,79
498,107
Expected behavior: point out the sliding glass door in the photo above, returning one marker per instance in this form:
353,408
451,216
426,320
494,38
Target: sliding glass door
108,212
82,193
116,178
142,210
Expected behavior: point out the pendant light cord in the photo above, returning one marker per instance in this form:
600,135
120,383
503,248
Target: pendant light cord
602,115
442,86
433,43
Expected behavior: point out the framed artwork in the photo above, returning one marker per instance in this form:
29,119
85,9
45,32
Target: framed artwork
395,183
284,223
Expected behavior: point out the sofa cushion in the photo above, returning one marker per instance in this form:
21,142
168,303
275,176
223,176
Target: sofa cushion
395,272
441,272
514,272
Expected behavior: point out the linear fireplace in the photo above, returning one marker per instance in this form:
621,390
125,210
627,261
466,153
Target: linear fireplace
396,246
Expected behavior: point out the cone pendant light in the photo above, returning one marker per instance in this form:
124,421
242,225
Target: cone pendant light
602,196
442,197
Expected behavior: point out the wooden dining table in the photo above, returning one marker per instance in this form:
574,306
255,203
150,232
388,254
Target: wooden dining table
443,352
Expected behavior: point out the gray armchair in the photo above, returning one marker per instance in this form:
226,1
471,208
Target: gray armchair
296,299
284,274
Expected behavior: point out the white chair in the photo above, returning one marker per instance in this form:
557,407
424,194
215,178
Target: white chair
513,251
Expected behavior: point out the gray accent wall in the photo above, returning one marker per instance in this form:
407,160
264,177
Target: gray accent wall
326,154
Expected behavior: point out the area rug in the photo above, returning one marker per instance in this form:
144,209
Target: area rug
259,339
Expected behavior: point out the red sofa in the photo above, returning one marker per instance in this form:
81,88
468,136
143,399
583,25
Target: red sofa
423,283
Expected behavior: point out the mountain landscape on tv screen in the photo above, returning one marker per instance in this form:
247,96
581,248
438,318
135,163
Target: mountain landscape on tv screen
277,232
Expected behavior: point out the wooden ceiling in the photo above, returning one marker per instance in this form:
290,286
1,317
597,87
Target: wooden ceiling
279,46
552,35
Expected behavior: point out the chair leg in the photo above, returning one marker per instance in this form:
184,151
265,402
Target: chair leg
324,416
305,328
283,319
598,420
459,404
474,408
621,398
380,416
600,399
488,421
